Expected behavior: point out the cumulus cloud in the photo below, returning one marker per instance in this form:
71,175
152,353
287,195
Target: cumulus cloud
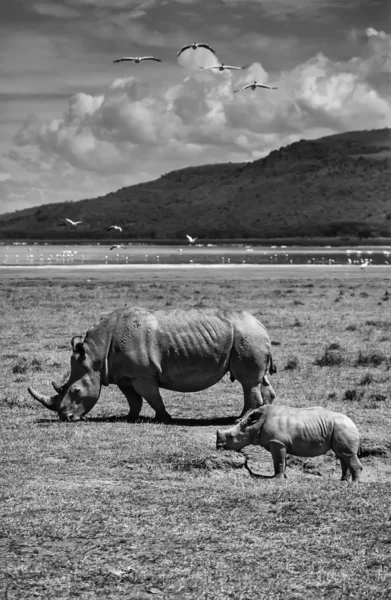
138,129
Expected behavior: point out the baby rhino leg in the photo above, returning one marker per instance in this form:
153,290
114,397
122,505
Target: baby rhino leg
345,444
278,452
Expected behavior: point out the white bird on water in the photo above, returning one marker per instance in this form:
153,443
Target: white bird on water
136,59
115,228
194,46
191,239
117,246
224,67
73,223
255,85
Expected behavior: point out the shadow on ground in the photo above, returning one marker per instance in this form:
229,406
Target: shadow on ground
216,421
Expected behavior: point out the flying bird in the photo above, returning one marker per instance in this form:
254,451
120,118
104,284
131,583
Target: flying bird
255,85
117,246
191,239
115,227
194,46
224,67
136,59
73,223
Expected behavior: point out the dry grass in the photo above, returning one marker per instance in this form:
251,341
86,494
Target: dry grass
107,509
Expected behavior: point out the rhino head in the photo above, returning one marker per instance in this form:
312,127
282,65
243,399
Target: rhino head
80,393
242,433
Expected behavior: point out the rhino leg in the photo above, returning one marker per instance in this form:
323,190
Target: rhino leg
134,399
149,390
355,468
278,452
345,470
352,464
252,399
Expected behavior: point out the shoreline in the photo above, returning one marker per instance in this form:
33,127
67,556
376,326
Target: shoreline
158,266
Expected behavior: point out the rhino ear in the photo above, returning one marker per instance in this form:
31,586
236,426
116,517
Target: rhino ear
75,340
77,345
253,417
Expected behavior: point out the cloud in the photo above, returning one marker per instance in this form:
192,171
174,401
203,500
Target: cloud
54,10
374,63
284,8
138,129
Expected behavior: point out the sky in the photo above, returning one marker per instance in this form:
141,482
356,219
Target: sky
74,124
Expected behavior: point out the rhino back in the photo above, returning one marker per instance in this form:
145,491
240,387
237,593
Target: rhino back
187,350
303,431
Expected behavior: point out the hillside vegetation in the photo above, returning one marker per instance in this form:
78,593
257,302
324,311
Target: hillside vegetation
337,186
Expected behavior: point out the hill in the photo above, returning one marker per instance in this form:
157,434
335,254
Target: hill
339,185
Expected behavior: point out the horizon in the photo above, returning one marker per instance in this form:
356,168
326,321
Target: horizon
76,126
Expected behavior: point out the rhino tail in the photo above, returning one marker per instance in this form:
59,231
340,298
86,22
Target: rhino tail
272,366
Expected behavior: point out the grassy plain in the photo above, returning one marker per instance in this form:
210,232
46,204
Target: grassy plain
107,509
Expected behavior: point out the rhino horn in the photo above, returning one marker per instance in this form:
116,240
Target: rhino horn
50,402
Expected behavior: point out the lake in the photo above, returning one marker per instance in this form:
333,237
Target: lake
22,254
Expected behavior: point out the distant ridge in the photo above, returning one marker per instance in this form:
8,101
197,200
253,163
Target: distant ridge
339,185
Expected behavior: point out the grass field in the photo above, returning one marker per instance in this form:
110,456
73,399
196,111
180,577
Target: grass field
107,509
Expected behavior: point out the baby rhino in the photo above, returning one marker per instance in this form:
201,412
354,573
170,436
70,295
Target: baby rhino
299,431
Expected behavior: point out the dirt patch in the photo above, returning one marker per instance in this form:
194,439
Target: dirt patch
226,462
376,468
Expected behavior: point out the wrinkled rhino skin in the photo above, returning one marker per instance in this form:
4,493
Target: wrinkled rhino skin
183,350
298,431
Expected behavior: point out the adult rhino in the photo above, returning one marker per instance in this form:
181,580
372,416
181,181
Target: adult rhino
299,431
182,350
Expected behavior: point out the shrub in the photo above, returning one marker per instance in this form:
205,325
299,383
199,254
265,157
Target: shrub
352,327
353,395
366,379
36,364
292,364
331,357
378,397
21,366
334,346
370,359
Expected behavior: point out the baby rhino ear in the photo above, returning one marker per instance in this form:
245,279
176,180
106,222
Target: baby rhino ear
77,345
254,416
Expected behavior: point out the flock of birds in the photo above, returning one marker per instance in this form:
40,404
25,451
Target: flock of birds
75,224
218,67
68,256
